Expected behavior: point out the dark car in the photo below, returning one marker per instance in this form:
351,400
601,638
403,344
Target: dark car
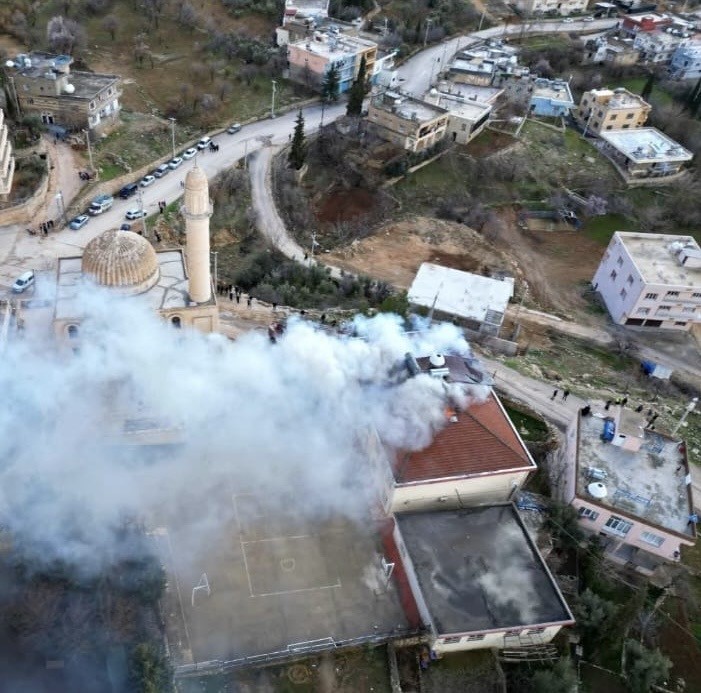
128,190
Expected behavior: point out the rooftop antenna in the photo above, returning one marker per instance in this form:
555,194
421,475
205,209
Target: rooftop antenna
433,305
202,585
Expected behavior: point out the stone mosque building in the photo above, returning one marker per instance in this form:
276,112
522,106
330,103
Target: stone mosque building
176,284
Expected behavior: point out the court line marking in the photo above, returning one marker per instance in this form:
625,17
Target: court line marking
297,536
303,589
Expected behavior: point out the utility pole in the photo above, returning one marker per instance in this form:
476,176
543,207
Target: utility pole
172,133
689,408
429,23
87,140
245,155
141,208
586,127
272,101
481,20
216,268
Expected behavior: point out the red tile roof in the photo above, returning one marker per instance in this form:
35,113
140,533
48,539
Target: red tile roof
482,440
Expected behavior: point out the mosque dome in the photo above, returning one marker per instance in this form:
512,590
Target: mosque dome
122,260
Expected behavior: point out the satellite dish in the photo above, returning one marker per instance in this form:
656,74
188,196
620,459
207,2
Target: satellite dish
69,89
437,360
597,490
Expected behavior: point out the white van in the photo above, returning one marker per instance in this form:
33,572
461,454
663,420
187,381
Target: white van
100,204
23,282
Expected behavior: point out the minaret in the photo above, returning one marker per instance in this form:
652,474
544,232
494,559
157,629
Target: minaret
196,210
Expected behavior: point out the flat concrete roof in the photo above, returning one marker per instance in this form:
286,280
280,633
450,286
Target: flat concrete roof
279,583
407,107
479,570
653,256
169,292
646,483
460,293
619,98
646,145
470,110
555,90
334,46
469,92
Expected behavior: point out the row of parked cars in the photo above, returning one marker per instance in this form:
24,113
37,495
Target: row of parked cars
104,202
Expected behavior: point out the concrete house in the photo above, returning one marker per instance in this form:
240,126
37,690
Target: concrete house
609,49
633,24
686,61
477,302
407,122
311,59
605,109
560,7
44,85
476,579
644,154
467,117
658,47
550,98
630,485
7,161
651,280
480,63
477,458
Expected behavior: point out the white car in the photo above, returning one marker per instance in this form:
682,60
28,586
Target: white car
23,282
233,129
148,180
204,142
174,163
567,20
588,19
189,153
135,213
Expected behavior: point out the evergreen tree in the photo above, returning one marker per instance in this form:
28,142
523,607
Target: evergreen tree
298,150
647,88
357,91
330,86
645,668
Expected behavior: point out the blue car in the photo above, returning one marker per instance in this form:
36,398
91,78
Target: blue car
79,222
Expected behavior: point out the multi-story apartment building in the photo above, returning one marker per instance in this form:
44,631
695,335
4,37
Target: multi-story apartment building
467,117
609,49
630,485
550,97
658,47
311,59
7,161
651,280
45,85
409,123
481,62
561,7
605,109
686,61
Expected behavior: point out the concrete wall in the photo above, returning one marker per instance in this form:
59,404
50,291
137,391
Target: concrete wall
456,493
21,213
483,641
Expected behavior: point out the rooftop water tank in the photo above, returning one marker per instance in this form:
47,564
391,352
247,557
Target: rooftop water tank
597,490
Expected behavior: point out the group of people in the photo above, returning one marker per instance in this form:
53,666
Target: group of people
565,395
162,204
44,228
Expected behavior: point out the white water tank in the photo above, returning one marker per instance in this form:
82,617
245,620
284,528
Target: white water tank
437,360
597,490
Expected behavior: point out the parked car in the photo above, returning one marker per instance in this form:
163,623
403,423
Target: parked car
135,213
174,163
204,142
588,19
233,129
148,180
125,227
567,20
128,190
23,282
161,170
79,222
100,204
189,153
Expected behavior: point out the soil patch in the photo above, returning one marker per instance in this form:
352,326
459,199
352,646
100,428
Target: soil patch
344,205
679,645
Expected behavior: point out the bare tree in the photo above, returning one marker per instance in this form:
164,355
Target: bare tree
224,89
187,16
110,24
65,35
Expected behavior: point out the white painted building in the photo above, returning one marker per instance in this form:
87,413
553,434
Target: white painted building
651,280
466,117
659,46
479,302
540,7
7,161
686,61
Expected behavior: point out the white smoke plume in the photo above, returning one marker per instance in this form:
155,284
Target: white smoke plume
285,418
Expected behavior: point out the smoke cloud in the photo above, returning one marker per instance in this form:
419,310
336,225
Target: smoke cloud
287,419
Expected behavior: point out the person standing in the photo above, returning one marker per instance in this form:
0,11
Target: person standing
554,395
565,395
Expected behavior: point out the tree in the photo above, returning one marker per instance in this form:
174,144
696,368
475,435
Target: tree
647,88
562,678
594,613
149,671
357,91
110,24
563,523
65,35
645,668
330,85
298,150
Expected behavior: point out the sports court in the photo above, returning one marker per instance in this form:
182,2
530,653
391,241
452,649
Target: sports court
275,582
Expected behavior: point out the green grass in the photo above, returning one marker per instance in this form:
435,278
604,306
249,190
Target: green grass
530,428
600,229
110,171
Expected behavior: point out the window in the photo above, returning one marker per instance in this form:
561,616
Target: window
680,323
474,638
630,279
688,309
451,640
665,308
609,127
643,311
624,293
175,322
618,526
613,117
72,332
696,294
625,126
650,538
588,513
513,632
671,294
651,297
619,262
613,275
535,631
